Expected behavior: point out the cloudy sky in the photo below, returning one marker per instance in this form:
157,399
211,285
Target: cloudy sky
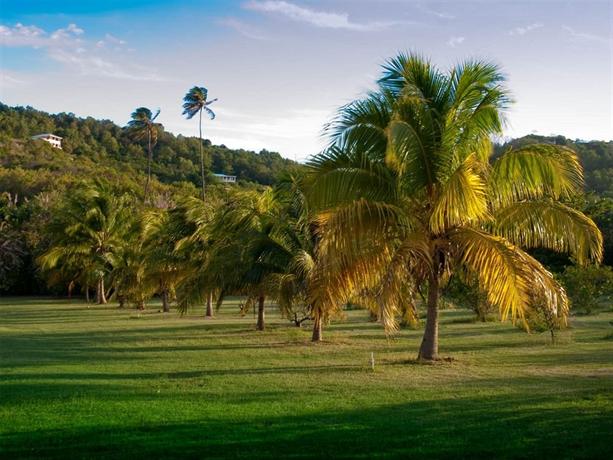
281,68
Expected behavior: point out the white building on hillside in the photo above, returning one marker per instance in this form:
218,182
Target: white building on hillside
54,140
226,179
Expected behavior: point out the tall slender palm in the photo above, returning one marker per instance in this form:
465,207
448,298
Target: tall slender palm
409,195
195,102
143,126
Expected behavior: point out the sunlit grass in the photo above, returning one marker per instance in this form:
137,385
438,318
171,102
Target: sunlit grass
98,381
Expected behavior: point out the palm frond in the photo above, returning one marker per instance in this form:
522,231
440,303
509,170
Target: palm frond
551,225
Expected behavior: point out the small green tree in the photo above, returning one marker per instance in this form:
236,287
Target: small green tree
588,287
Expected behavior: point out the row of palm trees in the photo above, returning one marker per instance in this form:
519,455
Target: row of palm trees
142,126
405,196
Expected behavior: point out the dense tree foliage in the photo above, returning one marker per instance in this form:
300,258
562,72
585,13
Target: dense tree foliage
174,158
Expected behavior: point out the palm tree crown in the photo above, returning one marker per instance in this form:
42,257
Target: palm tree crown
409,194
195,102
142,126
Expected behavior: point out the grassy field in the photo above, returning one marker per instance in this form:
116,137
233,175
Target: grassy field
78,382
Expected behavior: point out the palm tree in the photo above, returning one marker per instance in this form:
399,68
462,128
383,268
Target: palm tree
163,266
202,261
409,194
141,126
195,102
89,227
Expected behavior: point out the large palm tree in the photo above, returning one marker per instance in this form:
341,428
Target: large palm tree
143,126
410,194
195,102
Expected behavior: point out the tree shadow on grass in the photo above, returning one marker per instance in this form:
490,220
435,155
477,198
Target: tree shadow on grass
508,427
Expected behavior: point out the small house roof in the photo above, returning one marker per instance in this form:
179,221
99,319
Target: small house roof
39,136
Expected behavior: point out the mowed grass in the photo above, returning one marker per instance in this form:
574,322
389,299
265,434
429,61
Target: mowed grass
78,382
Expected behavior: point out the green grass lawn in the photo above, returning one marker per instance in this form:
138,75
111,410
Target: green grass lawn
78,382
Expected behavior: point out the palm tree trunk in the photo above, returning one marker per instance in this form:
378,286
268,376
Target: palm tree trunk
165,303
428,351
201,155
317,329
209,305
87,293
260,324
149,158
102,293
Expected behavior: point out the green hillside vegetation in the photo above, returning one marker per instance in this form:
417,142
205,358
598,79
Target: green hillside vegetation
102,142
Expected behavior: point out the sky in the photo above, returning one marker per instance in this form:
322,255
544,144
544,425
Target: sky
280,69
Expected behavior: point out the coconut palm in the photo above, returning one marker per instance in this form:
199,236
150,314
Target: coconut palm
143,126
163,265
195,102
204,261
410,194
89,227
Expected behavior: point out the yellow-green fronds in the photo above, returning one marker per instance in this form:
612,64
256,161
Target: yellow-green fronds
462,200
552,225
512,280
536,171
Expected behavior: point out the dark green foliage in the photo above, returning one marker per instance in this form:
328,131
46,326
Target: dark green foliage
175,158
588,287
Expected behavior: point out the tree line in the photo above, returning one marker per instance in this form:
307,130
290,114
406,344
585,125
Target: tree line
409,200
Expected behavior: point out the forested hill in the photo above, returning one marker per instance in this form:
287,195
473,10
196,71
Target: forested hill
102,142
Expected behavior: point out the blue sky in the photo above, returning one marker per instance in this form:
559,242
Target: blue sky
281,68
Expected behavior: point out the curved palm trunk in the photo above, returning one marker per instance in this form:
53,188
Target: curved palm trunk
317,329
209,305
201,156
100,294
260,324
428,350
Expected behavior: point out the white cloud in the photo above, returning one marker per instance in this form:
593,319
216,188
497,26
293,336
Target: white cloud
316,18
68,47
242,28
438,14
583,36
21,35
455,41
10,81
523,30
110,40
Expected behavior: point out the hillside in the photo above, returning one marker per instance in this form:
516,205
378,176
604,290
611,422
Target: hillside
88,142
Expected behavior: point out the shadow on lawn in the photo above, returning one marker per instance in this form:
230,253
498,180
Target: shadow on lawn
460,428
